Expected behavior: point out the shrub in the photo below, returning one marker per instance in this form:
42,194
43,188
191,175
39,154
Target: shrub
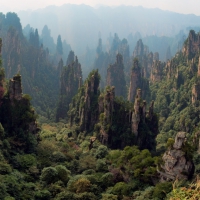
101,165
65,195
121,189
161,190
107,180
87,162
101,152
82,185
42,195
63,173
3,189
25,161
109,197
58,156
85,196
5,168
49,175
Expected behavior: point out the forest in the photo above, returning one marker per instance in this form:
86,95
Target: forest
127,127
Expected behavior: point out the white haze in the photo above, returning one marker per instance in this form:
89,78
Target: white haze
180,6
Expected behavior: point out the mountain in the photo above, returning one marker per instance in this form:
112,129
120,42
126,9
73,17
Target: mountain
73,22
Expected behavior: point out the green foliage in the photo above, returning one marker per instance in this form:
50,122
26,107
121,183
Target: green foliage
109,197
87,161
80,186
170,143
101,152
101,165
107,179
121,189
161,190
5,168
190,191
42,195
24,161
146,194
49,175
63,173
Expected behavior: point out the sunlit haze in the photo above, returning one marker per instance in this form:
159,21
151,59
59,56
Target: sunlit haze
180,6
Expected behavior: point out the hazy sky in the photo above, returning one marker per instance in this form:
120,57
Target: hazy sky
180,6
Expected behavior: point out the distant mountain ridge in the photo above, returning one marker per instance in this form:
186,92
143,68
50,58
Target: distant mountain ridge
74,22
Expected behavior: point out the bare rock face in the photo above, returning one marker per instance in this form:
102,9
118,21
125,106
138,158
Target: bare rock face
107,106
15,88
176,164
179,140
70,82
139,49
135,81
0,45
192,44
84,107
195,93
148,65
198,73
156,71
116,77
139,114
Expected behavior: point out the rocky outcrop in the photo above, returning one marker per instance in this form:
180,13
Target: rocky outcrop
123,49
84,109
0,45
192,45
169,68
15,88
195,93
148,65
140,50
156,71
70,81
18,117
11,52
135,81
106,107
156,56
198,72
116,77
140,112
176,164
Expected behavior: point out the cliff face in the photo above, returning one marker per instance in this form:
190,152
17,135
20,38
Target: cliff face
135,81
192,45
142,117
195,93
148,65
11,52
123,124
156,71
198,72
106,108
176,164
70,81
32,60
18,118
84,106
15,88
139,49
116,77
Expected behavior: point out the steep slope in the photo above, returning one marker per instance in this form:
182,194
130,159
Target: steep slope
70,81
176,92
32,60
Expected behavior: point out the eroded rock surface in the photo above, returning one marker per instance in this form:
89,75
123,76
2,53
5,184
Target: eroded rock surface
176,164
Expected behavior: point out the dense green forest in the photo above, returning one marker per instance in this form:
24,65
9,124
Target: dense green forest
130,130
